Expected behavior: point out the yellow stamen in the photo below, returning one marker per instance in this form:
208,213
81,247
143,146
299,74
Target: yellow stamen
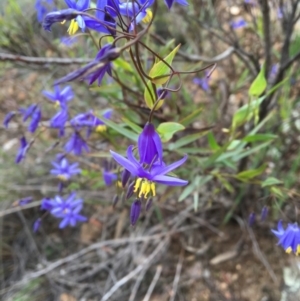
119,184
100,128
137,184
153,189
62,178
298,250
148,17
57,104
288,250
73,27
63,22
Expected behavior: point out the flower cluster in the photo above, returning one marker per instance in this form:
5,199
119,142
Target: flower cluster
144,166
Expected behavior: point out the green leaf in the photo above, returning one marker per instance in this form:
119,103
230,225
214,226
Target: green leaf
160,69
132,125
259,85
250,174
186,140
190,118
212,142
270,182
125,132
150,96
168,129
122,64
259,137
246,112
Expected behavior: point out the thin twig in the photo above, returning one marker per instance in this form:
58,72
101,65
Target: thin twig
177,276
132,274
42,60
153,283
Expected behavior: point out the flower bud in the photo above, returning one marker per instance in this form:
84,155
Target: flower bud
264,213
125,177
115,201
37,225
135,211
130,189
149,204
251,219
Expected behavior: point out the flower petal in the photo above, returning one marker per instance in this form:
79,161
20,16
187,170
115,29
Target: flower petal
125,163
166,169
170,181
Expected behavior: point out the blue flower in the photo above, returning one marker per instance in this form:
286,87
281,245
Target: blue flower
109,175
59,120
238,24
106,11
98,124
63,170
78,22
148,176
25,201
60,16
149,145
96,68
289,238
107,68
8,117
35,119
76,144
202,82
68,209
42,7
58,96
46,204
169,3
22,150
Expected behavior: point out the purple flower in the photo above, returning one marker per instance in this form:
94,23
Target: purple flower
25,201
289,238
46,204
169,3
106,11
42,7
109,177
33,112
37,225
135,211
68,210
125,177
35,119
63,170
60,16
8,117
100,72
76,145
149,145
148,176
22,150
59,120
251,219
202,82
96,68
58,96
238,24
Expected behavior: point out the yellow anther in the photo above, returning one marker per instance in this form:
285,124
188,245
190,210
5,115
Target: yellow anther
57,104
73,27
288,250
143,188
147,188
148,17
100,128
137,184
62,178
119,184
298,250
153,189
